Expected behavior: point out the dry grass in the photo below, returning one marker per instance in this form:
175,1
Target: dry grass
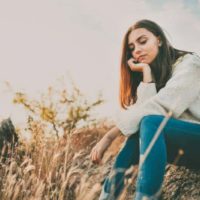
57,169
54,164
49,168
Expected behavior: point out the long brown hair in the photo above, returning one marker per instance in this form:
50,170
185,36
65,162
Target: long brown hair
161,66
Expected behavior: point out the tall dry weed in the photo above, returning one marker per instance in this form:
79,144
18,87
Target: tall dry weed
54,164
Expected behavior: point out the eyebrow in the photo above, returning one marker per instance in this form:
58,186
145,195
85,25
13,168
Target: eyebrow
137,39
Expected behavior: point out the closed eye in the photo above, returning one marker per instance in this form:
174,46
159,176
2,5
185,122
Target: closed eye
143,42
131,48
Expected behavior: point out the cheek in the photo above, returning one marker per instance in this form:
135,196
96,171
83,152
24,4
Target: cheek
150,47
154,50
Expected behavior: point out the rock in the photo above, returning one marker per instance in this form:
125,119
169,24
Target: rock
8,134
181,183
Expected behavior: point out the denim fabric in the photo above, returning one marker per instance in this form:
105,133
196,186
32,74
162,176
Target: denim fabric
129,155
176,135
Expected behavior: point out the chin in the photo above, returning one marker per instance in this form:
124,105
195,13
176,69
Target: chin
146,62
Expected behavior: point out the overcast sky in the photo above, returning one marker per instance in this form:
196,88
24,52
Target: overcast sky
42,40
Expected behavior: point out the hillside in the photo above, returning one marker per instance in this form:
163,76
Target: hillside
61,169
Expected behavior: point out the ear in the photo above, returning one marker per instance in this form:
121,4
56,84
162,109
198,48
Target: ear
159,41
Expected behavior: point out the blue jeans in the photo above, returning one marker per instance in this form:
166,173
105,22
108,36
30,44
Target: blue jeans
176,135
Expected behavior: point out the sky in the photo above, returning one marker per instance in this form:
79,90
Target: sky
44,40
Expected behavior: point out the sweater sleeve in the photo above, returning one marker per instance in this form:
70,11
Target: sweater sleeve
177,95
145,91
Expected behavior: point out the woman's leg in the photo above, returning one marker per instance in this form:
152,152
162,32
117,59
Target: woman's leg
128,155
183,134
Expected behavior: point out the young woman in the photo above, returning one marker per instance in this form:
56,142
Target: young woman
155,78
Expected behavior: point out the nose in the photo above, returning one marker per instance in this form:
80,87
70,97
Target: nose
137,50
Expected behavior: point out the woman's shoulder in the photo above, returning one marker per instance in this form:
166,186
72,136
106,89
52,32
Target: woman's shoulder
196,58
192,56
187,60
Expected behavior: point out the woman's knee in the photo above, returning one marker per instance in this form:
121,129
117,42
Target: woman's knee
148,128
150,124
151,120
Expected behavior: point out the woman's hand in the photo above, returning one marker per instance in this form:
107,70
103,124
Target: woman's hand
138,67
141,67
98,151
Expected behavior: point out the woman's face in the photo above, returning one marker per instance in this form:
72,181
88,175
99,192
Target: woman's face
144,45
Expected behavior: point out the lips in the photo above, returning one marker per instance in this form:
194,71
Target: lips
140,58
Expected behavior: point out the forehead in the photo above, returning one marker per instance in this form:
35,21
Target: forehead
135,34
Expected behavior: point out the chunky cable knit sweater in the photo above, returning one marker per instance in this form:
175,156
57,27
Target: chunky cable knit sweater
181,95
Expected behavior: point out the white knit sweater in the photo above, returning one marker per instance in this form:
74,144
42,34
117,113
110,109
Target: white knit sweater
181,95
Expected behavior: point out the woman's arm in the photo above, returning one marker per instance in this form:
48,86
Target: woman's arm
147,76
99,149
179,93
147,87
